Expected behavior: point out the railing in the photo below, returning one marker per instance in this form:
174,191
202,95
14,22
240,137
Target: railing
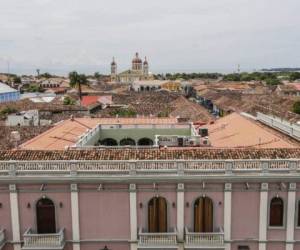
38,241
286,127
157,239
2,237
147,167
204,239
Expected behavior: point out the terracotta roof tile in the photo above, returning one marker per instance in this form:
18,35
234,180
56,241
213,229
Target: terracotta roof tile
151,154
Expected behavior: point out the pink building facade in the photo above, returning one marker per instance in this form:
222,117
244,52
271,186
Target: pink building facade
150,204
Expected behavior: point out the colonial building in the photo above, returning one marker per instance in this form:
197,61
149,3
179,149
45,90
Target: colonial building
146,183
139,71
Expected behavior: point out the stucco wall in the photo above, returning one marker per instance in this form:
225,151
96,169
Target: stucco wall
104,214
245,212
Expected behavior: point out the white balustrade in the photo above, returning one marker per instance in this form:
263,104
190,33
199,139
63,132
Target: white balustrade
147,167
2,237
40,241
157,239
204,239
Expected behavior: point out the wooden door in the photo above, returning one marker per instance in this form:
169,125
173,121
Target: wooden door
157,215
45,213
203,215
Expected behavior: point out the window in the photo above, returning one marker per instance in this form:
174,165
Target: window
276,212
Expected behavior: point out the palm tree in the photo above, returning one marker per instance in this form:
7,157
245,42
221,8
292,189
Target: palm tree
97,75
76,80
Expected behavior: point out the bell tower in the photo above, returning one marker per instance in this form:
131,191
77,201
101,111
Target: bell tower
113,70
145,68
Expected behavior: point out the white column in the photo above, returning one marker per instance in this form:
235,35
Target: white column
290,223
263,216
133,216
75,217
14,210
227,215
180,211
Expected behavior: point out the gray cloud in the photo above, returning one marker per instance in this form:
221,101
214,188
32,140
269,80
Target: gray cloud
192,35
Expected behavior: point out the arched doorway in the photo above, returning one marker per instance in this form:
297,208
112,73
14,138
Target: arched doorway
157,215
45,216
203,215
109,142
145,142
127,142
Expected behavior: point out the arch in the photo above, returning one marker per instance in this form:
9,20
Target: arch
147,88
203,215
127,142
276,212
45,216
157,215
109,142
142,88
145,142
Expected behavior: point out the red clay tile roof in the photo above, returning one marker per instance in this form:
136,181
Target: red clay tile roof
89,100
151,154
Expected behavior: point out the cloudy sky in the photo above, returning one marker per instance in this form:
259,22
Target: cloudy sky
192,35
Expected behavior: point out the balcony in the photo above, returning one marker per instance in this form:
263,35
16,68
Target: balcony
34,241
157,240
2,238
213,240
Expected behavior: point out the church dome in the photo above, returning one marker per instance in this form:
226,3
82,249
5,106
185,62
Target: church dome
136,59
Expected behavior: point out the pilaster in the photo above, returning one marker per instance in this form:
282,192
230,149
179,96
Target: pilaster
290,225
180,211
263,216
227,215
14,210
75,217
133,216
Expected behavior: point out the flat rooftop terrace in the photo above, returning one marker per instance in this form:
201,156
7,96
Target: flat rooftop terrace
66,133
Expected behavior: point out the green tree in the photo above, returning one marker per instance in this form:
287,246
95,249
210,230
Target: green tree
296,107
273,81
69,101
17,79
76,80
294,76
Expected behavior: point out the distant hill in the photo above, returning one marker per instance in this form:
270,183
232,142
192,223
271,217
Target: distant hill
281,69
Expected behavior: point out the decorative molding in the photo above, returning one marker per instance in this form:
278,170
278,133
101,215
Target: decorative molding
132,187
292,186
228,187
180,187
12,188
264,186
74,187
